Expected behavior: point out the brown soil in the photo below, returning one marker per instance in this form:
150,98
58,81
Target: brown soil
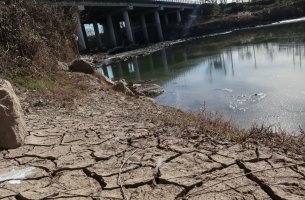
106,145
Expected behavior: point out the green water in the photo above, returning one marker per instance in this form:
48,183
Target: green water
250,76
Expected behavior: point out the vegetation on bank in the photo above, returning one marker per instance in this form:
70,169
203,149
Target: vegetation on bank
34,38
212,125
221,17
220,10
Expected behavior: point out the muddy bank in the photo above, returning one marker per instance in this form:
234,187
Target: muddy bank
106,145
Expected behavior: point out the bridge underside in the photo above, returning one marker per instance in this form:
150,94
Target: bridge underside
124,23
125,3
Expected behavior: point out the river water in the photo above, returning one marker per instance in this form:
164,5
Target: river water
250,76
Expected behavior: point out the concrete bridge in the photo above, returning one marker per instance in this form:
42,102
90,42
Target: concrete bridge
128,22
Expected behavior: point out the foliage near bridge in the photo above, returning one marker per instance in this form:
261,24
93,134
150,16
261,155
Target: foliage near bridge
210,9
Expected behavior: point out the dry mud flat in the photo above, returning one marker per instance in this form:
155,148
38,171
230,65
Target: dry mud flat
107,146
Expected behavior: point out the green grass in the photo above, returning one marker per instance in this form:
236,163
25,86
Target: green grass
31,83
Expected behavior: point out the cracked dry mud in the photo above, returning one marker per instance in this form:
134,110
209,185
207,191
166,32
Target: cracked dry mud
78,153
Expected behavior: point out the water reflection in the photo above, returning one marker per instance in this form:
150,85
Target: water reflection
223,62
249,76
218,61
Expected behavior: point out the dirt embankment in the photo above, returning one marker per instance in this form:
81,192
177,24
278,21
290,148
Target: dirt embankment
33,37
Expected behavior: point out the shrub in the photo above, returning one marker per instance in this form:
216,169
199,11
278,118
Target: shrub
33,37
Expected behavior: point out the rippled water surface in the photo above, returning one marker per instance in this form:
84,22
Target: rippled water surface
250,76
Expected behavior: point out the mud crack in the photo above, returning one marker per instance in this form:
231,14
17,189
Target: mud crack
266,188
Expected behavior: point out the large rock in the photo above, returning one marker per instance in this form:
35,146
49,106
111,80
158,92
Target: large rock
12,124
150,90
82,66
121,86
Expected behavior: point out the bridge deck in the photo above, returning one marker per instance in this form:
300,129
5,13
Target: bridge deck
136,3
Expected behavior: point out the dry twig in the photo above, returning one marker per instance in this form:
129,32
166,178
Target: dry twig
119,176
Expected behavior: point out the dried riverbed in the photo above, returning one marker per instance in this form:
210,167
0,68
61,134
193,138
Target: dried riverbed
107,145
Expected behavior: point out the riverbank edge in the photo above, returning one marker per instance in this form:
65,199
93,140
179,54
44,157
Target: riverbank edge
156,152
256,132
103,59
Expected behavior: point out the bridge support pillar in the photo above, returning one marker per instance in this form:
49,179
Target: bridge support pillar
85,36
158,25
166,19
111,30
144,28
79,32
97,35
178,14
128,27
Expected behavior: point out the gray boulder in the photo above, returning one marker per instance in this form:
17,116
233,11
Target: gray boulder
12,124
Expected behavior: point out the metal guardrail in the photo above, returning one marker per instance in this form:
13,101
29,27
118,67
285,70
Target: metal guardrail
180,1
190,2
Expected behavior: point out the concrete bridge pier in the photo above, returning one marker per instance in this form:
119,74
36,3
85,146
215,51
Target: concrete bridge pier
158,25
85,36
111,30
128,27
97,35
144,28
178,14
166,19
79,33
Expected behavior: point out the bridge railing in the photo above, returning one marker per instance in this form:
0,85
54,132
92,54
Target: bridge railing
180,1
138,1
